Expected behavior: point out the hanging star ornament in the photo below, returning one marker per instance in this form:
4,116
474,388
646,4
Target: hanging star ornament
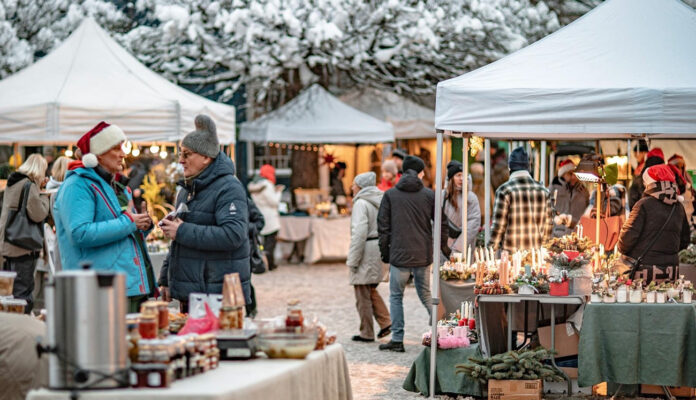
328,159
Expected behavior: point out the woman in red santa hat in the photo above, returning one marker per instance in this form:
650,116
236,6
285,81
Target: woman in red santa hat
657,228
93,224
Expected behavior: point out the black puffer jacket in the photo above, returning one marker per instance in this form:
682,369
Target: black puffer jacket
647,217
405,224
214,238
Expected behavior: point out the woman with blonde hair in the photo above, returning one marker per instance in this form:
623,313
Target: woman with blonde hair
30,177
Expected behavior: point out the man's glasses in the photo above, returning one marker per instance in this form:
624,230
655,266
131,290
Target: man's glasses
185,154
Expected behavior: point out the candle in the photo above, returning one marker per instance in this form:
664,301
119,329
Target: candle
463,311
468,256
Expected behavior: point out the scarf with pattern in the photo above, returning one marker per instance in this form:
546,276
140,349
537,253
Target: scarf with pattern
664,191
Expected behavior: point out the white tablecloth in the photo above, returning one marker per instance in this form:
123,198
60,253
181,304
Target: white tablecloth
328,239
322,375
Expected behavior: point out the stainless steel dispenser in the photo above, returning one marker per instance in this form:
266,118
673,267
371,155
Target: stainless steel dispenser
86,313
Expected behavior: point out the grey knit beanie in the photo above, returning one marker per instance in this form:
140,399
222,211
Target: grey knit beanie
365,179
204,139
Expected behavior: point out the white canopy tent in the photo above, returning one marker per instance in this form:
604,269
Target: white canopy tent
625,69
90,78
410,120
316,116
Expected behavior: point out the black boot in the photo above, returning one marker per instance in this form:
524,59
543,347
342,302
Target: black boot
397,347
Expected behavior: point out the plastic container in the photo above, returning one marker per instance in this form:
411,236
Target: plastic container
635,296
7,282
622,294
609,299
13,305
661,297
687,296
525,289
595,298
288,345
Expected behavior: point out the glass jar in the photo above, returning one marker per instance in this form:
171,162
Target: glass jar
144,351
133,338
148,326
7,282
163,317
231,317
13,305
150,308
294,320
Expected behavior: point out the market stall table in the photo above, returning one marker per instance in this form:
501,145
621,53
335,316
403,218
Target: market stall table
643,343
322,375
509,300
446,381
327,239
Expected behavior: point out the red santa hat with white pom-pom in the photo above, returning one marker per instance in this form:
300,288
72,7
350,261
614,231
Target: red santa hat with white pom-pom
565,166
98,141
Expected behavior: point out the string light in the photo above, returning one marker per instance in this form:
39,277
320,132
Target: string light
284,145
135,152
302,148
475,145
127,147
69,152
154,149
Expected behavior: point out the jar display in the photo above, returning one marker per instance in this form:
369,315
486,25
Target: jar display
148,326
163,317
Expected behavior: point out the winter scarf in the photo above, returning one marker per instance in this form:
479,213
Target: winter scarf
664,191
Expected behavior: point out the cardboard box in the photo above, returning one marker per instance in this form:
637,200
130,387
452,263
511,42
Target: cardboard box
566,345
681,391
515,389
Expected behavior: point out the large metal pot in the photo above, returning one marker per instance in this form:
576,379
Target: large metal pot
86,330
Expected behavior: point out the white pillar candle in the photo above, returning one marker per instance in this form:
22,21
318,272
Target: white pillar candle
468,256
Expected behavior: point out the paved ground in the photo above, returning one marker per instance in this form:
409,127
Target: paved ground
325,292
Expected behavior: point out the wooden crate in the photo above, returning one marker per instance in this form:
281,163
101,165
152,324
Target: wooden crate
515,389
681,391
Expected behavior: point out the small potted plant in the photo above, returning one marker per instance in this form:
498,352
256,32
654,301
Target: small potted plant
661,297
688,293
559,285
635,294
622,285
673,292
596,296
650,292
608,296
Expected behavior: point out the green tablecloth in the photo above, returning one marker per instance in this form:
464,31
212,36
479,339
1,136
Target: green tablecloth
446,381
638,343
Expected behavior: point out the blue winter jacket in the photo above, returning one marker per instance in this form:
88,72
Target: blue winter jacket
91,226
213,240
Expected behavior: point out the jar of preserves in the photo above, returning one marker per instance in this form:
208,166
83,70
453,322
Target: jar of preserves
150,308
294,320
163,317
144,351
148,326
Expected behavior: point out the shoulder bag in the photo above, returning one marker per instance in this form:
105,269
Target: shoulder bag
635,264
20,230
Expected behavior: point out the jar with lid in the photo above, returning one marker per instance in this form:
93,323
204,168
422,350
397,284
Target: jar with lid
145,351
148,326
133,338
294,320
231,317
160,352
12,305
163,317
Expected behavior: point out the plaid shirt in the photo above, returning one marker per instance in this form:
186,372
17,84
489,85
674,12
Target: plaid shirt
523,217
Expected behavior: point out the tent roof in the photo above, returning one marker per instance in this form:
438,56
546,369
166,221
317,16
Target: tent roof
625,68
410,120
316,116
89,78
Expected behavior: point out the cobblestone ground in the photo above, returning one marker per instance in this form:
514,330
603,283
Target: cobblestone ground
324,291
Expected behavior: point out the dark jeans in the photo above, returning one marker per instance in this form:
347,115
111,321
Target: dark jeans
269,244
24,283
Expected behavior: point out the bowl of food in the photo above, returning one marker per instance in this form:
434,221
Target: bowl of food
287,345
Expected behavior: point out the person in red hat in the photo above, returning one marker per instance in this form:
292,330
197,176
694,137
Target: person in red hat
656,229
569,197
678,165
266,195
635,192
93,224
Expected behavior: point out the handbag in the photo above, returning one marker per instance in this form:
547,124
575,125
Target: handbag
20,230
636,263
256,257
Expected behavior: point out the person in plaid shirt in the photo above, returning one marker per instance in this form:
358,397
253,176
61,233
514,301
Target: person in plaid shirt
522,216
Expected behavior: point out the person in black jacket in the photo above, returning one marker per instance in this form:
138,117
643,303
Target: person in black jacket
637,189
661,260
210,238
405,228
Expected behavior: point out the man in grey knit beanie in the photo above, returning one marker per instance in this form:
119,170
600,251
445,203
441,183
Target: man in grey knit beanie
203,140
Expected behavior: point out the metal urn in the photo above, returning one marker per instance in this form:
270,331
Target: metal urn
86,313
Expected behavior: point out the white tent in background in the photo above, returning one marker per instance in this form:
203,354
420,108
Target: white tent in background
410,120
316,116
90,78
628,67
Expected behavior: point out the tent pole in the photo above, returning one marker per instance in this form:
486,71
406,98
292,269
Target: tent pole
552,167
629,175
465,197
543,162
599,202
487,190
437,232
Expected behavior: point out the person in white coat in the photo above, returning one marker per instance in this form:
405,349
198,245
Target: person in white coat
364,260
266,195
453,211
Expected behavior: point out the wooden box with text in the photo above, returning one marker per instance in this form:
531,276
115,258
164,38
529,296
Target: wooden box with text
515,389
